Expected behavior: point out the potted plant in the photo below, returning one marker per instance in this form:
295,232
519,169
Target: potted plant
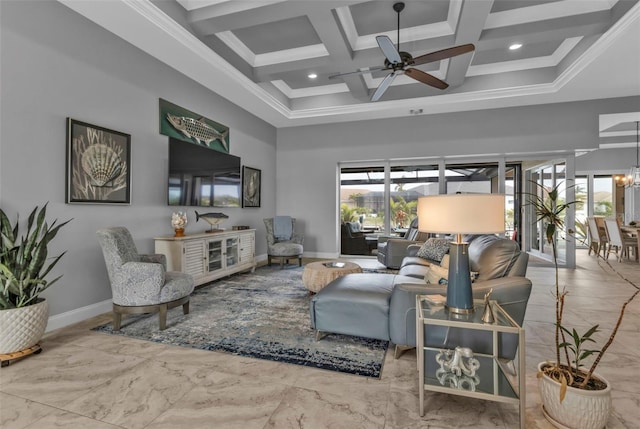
572,395
23,271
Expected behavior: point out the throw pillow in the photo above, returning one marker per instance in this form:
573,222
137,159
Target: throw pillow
437,275
440,274
445,261
434,249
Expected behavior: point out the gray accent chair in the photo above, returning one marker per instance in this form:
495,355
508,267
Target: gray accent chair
141,283
391,251
283,249
382,306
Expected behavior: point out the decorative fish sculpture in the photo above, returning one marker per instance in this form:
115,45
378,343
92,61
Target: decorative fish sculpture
212,218
198,130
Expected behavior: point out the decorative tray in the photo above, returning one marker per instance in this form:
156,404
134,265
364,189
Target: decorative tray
334,264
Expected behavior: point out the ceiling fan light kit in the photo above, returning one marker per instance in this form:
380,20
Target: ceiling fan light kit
399,62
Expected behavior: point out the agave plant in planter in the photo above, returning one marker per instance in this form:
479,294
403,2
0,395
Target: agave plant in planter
24,267
572,395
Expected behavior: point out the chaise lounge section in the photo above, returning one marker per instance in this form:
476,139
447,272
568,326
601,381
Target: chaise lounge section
382,306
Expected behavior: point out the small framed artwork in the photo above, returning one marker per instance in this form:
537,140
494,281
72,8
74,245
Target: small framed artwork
98,165
250,187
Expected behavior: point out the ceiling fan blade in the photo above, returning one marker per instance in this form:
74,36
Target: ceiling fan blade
443,54
383,86
369,70
423,77
388,49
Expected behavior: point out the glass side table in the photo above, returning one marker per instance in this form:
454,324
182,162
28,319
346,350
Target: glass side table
492,380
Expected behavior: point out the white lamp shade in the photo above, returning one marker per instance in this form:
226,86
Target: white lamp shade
461,213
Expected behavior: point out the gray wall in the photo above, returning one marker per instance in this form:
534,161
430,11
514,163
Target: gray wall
56,64
313,152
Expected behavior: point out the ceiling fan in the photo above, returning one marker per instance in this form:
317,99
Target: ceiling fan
400,62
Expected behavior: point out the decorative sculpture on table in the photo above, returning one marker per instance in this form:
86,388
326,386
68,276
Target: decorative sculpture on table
456,363
487,316
178,222
213,219
458,368
462,382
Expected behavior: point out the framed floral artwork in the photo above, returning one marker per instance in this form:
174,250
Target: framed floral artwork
98,165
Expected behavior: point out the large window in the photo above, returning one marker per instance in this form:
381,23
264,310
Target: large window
383,198
484,179
603,196
408,183
362,196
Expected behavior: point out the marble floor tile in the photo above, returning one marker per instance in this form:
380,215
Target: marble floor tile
302,408
67,420
18,413
140,394
441,411
59,376
225,401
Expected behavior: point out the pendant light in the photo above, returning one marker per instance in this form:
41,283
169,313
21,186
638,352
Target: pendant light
634,174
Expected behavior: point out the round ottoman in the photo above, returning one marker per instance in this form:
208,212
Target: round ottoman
317,275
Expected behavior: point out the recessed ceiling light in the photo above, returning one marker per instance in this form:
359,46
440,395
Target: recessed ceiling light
515,46
312,75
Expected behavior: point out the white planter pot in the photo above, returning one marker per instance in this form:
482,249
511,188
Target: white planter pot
21,328
583,409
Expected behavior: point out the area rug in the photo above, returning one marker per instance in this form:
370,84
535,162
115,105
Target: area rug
262,315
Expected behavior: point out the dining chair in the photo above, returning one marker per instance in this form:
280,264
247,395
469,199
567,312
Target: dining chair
621,243
594,237
602,234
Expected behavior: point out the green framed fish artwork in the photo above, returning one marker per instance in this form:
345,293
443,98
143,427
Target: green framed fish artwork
188,126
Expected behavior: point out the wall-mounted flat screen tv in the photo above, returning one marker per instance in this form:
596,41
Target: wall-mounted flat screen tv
203,177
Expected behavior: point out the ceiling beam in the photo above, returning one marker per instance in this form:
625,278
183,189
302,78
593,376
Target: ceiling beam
473,15
218,18
333,38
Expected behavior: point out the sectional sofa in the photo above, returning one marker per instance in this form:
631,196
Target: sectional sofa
382,306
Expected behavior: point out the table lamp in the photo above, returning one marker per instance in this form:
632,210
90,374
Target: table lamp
461,214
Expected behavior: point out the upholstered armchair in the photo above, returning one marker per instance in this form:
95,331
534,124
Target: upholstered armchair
352,240
391,251
140,283
283,247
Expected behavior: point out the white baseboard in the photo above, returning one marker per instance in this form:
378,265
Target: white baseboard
78,315
316,255
321,255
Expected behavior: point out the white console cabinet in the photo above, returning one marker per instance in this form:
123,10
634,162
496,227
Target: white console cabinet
209,256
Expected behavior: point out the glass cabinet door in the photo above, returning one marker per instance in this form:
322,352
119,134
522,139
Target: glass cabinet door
214,255
231,251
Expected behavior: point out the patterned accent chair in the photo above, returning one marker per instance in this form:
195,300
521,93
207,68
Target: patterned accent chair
141,283
283,249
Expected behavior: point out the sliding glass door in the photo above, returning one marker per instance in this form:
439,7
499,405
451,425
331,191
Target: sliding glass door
383,198
543,179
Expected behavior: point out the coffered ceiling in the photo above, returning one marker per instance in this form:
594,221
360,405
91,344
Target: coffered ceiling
260,54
